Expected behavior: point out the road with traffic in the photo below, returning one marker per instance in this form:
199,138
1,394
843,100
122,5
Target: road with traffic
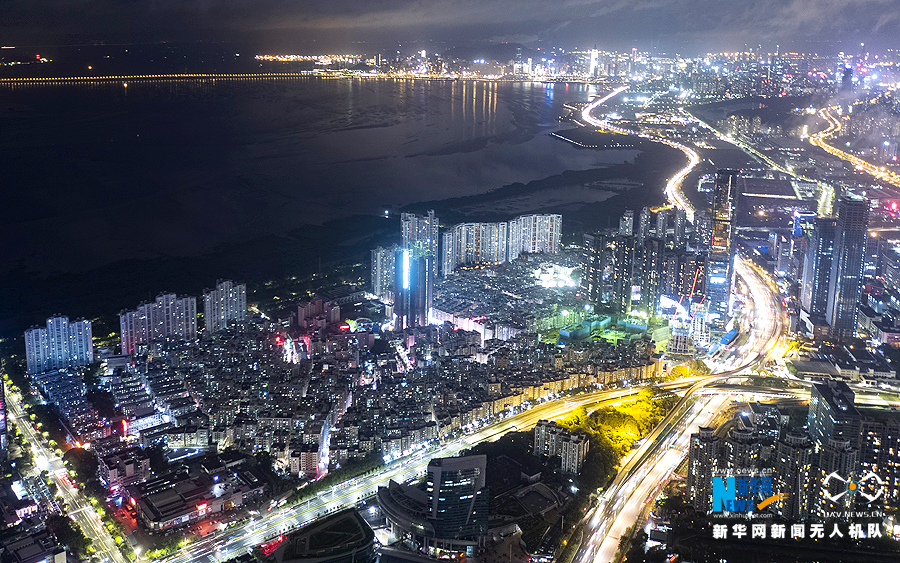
78,506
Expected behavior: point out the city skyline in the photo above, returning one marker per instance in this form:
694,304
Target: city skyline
674,25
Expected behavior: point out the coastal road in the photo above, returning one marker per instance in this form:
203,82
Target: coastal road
647,470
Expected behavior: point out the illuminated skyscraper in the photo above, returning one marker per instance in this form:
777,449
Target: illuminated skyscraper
651,268
718,284
703,461
662,225
847,265
61,344
623,274
420,237
227,302
817,267
412,267
722,211
592,262
458,499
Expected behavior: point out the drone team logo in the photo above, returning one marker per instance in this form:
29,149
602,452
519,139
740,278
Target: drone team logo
854,486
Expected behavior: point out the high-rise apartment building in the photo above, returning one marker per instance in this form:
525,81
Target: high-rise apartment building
168,316
623,274
643,227
552,440
474,243
458,499
792,466
703,460
383,260
529,234
879,453
626,223
592,263
847,266
226,303
61,344
817,267
679,232
662,225
651,269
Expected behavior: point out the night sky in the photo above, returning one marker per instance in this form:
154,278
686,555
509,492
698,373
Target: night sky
686,26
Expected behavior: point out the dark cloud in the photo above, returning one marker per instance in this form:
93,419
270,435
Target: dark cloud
678,24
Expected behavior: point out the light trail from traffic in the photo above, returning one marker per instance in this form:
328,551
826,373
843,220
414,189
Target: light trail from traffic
834,127
647,470
673,186
78,507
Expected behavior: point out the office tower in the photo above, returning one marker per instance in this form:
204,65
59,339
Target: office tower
626,223
420,234
534,233
703,460
817,267
166,317
662,225
722,211
592,68
872,264
679,228
651,268
474,243
61,344
227,302
792,467
592,262
832,414
643,230
458,499
383,272
412,275
782,255
879,453
847,266
623,274
718,284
